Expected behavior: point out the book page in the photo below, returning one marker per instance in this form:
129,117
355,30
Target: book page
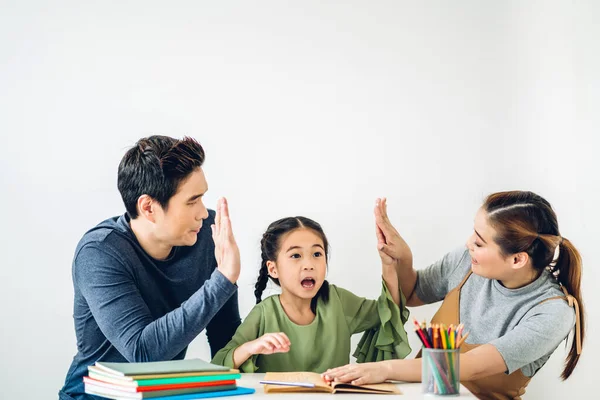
379,388
304,377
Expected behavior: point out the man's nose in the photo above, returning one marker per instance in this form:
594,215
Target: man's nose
203,214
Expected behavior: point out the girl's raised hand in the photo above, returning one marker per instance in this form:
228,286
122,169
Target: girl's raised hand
381,243
389,241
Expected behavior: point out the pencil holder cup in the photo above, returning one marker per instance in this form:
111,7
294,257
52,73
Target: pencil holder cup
440,372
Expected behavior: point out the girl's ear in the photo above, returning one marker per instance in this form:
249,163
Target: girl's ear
272,269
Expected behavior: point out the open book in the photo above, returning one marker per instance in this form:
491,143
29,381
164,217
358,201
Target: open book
281,382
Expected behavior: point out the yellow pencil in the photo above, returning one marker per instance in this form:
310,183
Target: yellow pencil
443,335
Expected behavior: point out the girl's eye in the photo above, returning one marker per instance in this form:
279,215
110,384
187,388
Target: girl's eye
318,254
295,255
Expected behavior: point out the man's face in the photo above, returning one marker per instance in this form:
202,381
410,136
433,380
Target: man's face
180,224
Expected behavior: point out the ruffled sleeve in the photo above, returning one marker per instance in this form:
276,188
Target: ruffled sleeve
388,340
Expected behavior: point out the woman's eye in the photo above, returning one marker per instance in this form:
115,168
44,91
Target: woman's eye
295,255
477,244
318,254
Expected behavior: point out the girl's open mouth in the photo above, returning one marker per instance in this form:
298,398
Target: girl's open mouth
308,283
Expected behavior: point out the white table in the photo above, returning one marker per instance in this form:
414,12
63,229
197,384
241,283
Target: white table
409,391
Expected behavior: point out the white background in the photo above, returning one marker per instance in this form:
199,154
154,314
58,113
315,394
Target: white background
308,108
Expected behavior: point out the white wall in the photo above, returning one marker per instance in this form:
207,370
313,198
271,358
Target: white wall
305,108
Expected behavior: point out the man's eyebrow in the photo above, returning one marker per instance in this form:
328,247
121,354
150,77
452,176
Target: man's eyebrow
194,197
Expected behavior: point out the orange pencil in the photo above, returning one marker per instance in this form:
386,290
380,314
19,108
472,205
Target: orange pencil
436,337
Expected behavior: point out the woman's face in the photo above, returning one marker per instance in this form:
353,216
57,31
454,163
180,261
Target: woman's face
486,259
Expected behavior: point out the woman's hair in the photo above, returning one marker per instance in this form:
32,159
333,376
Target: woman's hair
270,245
525,222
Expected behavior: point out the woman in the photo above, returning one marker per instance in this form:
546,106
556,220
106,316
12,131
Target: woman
516,288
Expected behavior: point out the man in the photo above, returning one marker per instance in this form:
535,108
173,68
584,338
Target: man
148,282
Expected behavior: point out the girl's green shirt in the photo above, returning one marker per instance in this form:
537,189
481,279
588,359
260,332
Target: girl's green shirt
325,342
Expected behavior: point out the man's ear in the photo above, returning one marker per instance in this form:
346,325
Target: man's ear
146,207
272,268
519,260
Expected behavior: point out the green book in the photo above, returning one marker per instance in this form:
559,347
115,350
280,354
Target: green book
159,367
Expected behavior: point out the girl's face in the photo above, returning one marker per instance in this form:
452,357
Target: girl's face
486,259
301,264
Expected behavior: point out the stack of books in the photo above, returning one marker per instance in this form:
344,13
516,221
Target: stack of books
162,380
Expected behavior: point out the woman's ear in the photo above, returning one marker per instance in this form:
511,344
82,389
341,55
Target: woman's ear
520,260
272,269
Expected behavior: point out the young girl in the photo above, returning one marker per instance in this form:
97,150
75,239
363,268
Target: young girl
308,326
